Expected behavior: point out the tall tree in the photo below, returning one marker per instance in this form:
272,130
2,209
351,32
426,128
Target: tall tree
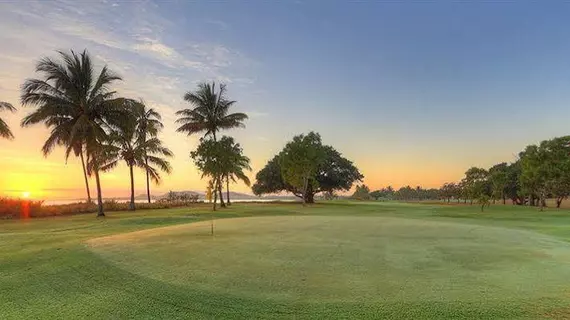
300,160
335,173
210,114
235,164
75,102
5,131
149,124
362,192
125,143
546,171
498,179
475,183
209,159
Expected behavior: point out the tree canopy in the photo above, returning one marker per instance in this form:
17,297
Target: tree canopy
333,172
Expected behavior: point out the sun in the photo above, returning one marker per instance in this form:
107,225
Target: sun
26,194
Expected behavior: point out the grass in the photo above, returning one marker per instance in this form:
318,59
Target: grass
335,260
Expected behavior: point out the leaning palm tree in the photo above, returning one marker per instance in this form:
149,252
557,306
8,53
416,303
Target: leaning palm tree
4,129
210,114
148,126
61,137
235,164
77,104
124,143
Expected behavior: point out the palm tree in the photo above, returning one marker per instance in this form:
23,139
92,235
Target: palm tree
76,104
149,125
125,144
236,164
4,129
210,114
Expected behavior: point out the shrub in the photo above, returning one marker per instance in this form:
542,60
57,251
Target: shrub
11,208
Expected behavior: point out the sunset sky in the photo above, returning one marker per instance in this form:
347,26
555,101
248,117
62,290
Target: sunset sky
413,93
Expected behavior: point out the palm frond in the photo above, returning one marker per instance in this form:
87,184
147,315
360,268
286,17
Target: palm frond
5,131
7,106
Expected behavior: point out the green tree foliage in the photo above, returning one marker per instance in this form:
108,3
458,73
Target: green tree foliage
76,104
220,158
542,171
512,190
362,192
449,191
484,200
5,131
149,124
235,164
475,183
334,173
418,193
210,114
498,179
208,159
545,171
300,160
130,143
383,194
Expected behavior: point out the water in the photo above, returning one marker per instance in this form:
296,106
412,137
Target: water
68,201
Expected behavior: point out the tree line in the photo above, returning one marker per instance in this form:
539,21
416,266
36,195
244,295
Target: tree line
540,172
406,193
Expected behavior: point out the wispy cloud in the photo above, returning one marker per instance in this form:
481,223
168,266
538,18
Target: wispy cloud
218,23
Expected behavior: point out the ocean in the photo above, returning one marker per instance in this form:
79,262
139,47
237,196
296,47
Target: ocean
68,201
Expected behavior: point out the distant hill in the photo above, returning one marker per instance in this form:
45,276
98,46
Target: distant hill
233,195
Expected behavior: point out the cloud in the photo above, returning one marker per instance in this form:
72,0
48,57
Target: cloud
155,47
218,23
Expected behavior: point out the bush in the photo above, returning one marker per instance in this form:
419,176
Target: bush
21,208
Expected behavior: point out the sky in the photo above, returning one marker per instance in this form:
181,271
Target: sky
412,92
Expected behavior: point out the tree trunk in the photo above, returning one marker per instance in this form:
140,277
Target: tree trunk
215,194
147,181
504,200
132,204
100,211
559,202
85,176
471,202
228,190
310,197
222,204
305,186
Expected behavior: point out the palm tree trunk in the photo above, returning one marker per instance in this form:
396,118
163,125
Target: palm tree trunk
100,212
218,188
85,176
132,204
147,181
222,204
228,189
215,194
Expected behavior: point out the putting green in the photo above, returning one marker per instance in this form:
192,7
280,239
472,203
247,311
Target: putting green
364,260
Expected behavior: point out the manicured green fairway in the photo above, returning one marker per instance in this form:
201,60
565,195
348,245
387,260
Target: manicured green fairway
335,260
